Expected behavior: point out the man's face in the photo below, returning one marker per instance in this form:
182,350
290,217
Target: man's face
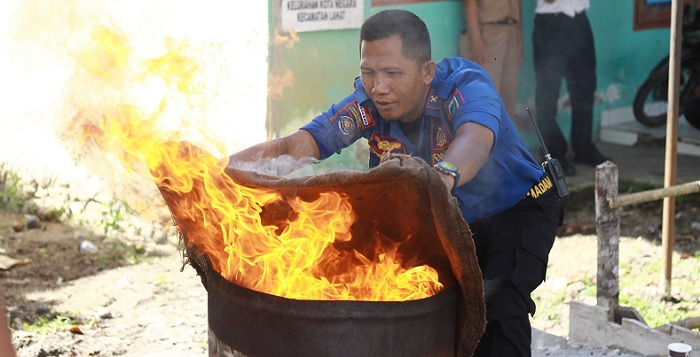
397,85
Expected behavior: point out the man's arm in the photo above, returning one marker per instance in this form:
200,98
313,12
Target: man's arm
298,145
468,151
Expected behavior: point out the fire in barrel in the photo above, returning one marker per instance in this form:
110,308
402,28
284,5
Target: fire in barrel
341,264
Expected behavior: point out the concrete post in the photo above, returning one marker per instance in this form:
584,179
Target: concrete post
608,231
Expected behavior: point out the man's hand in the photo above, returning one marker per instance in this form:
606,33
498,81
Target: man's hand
448,180
299,146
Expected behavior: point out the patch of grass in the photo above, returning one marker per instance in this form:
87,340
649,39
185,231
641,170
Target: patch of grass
629,186
114,215
51,324
556,297
690,199
11,192
640,289
659,313
589,287
119,252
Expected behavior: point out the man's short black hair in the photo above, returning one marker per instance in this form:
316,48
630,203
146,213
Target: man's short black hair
415,39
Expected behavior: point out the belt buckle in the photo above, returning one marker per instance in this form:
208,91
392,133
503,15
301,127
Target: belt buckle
507,21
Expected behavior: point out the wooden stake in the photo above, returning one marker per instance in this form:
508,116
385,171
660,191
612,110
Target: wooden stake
669,209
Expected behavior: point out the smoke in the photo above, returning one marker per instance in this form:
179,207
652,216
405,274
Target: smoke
284,165
195,71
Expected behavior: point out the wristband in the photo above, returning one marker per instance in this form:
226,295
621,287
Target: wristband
448,168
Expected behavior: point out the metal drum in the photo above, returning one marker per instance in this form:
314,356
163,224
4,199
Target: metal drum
247,323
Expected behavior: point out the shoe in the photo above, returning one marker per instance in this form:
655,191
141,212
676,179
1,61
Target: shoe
591,158
569,169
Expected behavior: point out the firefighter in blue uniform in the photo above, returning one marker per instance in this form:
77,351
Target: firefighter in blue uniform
449,114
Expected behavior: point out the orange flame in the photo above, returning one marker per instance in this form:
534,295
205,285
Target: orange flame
288,41
107,56
296,257
277,84
174,67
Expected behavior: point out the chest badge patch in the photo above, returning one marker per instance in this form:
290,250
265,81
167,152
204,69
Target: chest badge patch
388,145
441,138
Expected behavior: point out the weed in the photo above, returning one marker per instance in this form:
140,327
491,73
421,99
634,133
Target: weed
11,193
114,215
135,254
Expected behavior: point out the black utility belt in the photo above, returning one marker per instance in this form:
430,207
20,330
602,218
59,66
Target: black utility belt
505,21
557,14
540,188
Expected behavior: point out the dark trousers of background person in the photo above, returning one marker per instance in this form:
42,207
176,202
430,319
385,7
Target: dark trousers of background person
513,249
564,49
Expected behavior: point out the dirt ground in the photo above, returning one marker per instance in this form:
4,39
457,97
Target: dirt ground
133,299
119,300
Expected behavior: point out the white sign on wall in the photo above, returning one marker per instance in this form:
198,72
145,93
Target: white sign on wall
319,15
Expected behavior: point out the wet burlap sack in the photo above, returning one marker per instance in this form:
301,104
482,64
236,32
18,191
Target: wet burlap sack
402,197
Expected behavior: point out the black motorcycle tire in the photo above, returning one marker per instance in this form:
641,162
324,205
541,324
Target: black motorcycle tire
650,104
654,91
692,112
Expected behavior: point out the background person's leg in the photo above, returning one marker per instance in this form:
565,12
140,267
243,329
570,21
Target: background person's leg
581,83
550,59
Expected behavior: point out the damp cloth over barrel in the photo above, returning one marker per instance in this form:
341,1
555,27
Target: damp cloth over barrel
402,196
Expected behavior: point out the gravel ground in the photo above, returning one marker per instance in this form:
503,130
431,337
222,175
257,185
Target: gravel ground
154,309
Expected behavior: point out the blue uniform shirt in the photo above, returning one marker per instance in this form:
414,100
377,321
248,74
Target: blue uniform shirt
461,92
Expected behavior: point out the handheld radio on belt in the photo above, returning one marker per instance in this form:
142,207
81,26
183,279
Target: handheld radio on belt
551,166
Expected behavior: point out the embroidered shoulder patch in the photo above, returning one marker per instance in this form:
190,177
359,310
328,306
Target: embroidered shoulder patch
352,110
346,124
455,101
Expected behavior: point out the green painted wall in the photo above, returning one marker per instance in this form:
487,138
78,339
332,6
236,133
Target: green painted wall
325,63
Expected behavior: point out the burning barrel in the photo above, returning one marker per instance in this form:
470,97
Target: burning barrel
244,322
399,277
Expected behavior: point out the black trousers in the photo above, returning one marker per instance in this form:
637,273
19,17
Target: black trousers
513,249
563,48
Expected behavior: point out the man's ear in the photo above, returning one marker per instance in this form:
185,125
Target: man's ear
428,72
